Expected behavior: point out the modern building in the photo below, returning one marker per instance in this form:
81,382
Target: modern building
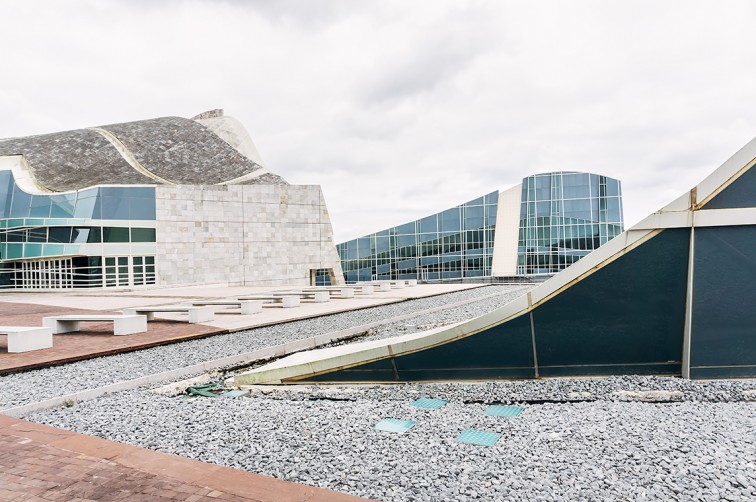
673,295
538,227
165,201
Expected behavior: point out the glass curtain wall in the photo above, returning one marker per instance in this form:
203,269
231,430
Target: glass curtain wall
60,240
563,217
452,244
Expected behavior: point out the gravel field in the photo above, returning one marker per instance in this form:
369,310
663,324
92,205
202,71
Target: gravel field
577,439
32,386
702,447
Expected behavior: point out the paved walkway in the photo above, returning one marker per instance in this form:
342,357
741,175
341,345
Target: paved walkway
94,340
38,462
27,309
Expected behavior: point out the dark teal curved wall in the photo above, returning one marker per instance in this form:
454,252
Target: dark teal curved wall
628,317
740,193
723,333
504,351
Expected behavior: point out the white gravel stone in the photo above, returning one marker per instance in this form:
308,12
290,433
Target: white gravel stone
595,450
33,386
577,439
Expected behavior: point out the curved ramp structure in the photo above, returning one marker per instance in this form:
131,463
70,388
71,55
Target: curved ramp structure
673,295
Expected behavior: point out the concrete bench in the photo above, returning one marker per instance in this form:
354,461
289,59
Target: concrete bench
363,289
286,302
342,291
122,324
247,307
196,314
317,296
26,338
378,286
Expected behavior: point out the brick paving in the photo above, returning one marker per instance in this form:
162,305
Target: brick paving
42,463
96,339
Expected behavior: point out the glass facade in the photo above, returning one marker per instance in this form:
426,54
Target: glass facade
67,239
563,217
452,244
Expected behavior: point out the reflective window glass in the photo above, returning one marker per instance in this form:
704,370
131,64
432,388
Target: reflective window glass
20,204
59,234
142,208
429,224
450,220
407,228
612,187
87,206
62,205
613,209
40,206
38,234
115,208
115,234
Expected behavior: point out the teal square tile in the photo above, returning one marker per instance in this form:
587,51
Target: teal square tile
482,438
394,425
235,393
503,411
431,404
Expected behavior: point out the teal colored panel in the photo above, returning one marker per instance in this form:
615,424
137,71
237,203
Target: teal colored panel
54,250
503,411
724,288
623,318
481,438
431,404
32,250
394,425
14,251
740,193
235,393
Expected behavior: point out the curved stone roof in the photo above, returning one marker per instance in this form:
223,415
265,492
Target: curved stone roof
164,150
73,159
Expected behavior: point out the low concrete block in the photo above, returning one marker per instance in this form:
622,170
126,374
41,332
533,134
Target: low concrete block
126,324
367,289
195,314
27,338
321,297
249,307
201,314
290,301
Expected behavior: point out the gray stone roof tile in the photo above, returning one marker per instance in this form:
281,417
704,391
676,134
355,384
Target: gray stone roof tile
73,159
175,149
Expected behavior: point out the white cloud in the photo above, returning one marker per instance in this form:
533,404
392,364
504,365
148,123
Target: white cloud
399,109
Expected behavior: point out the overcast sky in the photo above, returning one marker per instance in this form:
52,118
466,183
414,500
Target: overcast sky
402,108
